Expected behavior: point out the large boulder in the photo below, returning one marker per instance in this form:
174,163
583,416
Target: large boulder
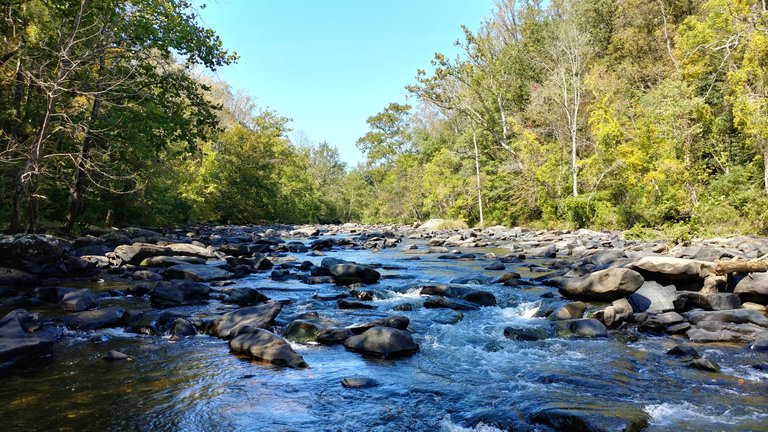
198,272
584,328
138,252
385,342
19,342
348,273
483,298
669,270
590,418
303,330
95,319
175,293
753,288
438,302
604,285
397,321
652,297
265,346
686,300
78,301
245,320
736,316
35,253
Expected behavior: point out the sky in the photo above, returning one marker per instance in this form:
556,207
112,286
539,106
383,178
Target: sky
330,64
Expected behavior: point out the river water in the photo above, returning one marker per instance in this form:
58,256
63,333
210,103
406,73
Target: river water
466,367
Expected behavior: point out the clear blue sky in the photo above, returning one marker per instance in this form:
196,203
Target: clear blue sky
330,64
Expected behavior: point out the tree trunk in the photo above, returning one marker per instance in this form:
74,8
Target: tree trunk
765,168
477,174
741,266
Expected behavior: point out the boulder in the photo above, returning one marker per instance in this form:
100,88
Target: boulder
18,342
590,418
95,319
265,346
652,297
704,364
116,355
35,253
175,293
519,333
333,336
12,277
198,272
666,270
385,342
146,275
138,252
604,285
683,351
351,273
303,330
244,297
244,320
397,322
569,311
585,328
78,301
716,331
482,298
436,302
753,288
346,304
170,261
736,316
182,328
186,249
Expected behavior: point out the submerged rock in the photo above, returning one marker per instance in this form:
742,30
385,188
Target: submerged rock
268,347
359,383
383,342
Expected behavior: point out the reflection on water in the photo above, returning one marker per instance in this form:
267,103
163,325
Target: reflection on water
465,365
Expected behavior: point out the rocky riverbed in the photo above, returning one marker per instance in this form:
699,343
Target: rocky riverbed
379,328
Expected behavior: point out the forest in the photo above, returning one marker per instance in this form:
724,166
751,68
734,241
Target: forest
630,115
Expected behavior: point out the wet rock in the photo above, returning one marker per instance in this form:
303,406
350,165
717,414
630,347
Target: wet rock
138,290
170,261
396,322
247,319
333,336
585,328
704,364
20,343
686,300
198,272
78,301
16,278
403,307
501,419
362,295
351,273
265,346
658,323
753,288
244,297
95,319
116,355
383,342
569,311
436,302
359,383
174,293
314,280
652,297
482,298
683,351
303,330
182,328
591,418
498,265
346,304
52,294
519,333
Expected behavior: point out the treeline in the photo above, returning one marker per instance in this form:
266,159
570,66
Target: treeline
604,113
108,118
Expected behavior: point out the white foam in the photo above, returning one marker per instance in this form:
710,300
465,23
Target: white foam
448,426
671,414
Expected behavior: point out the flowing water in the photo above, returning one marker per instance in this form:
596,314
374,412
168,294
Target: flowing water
466,366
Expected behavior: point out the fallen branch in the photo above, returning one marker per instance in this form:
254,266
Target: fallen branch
741,266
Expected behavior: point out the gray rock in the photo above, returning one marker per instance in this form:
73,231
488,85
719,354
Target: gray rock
359,383
265,346
666,270
170,261
585,327
683,351
753,288
346,304
176,293
182,328
653,298
95,319
604,285
244,320
351,273
436,302
483,298
737,316
198,272
526,333
20,343
383,342
116,355
146,275
303,330
397,322
244,297
590,418
78,301
12,277
333,336
34,253
704,364
138,252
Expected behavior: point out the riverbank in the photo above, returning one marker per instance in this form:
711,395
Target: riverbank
541,329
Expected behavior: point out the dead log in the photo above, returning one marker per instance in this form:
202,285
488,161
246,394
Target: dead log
723,267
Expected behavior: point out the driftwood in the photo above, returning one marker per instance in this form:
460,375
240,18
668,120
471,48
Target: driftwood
741,266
